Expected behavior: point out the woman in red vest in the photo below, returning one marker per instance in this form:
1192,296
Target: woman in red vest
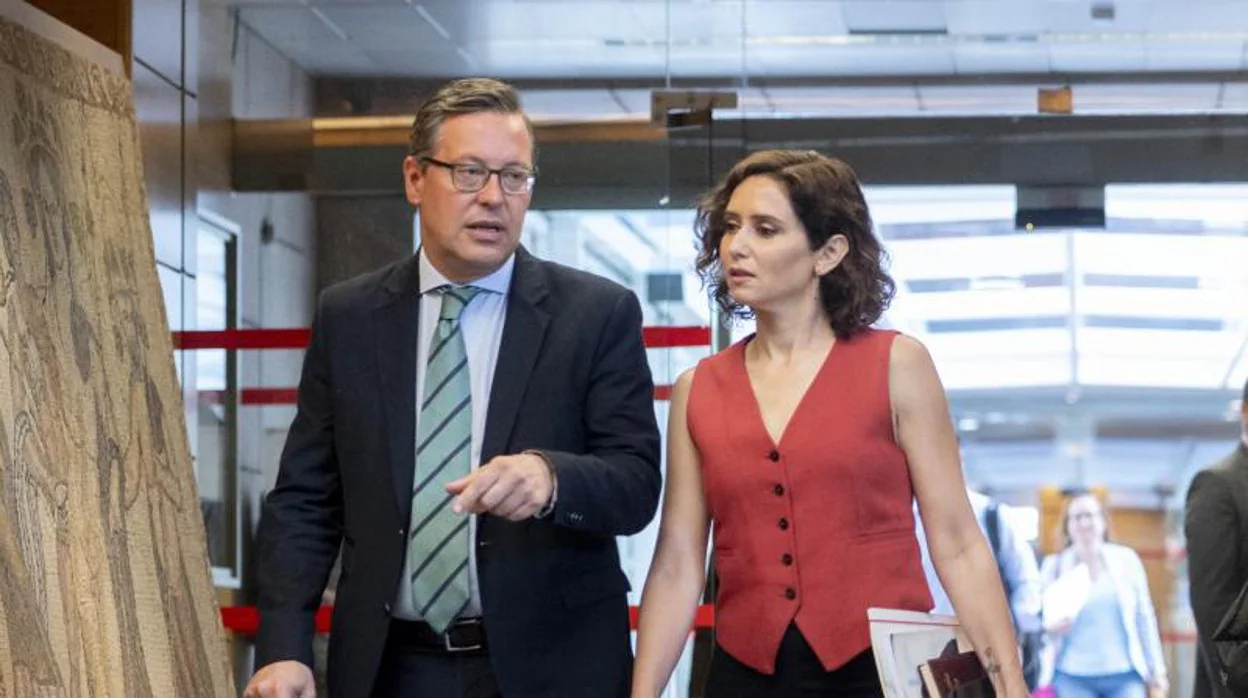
805,444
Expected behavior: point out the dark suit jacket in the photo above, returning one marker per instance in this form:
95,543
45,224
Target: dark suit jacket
1217,554
572,380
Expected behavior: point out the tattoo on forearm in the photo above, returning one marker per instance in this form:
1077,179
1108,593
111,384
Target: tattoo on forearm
990,664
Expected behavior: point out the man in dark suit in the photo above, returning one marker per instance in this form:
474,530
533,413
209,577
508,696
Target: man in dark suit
1217,552
475,426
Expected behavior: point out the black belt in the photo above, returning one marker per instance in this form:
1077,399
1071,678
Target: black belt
466,635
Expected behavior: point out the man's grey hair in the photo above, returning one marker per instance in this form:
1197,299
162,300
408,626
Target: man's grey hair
458,97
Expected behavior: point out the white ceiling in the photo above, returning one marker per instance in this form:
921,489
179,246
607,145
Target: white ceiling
520,39
1132,306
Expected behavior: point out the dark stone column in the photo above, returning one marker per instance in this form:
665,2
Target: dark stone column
358,234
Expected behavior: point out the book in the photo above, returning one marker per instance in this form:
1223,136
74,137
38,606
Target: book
955,675
903,640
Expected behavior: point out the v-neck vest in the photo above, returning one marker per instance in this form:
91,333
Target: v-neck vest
818,528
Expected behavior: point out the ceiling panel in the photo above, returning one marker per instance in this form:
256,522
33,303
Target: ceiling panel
894,16
854,59
1161,302
417,60
1234,96
794,19
540,21
702,22
1213,257
988,99
978,58
1210,348
1222,205
964,305
620,38
340,3
1122,99
513,61
326,59
959,373
553,104
1176,372
1107,57
379,27
289,26
977,100
255,3
990,17
1129,17
1190,55
977,257
636,102
842,100
976,346
720,59
935,205
1197,16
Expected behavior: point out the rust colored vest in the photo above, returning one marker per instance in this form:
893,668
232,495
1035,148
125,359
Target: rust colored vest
814,529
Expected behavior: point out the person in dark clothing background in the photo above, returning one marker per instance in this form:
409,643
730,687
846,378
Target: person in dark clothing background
1216,526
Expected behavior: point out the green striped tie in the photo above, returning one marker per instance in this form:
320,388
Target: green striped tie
438,542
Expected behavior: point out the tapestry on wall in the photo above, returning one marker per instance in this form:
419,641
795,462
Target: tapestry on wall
104,580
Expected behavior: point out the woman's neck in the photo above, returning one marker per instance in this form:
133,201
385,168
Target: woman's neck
1090,555
792,331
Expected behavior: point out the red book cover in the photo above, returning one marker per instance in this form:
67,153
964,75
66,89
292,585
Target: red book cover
958,675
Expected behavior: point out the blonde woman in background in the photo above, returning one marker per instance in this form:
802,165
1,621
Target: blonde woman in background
1104,642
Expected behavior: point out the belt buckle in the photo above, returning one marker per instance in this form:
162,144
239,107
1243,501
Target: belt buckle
451,646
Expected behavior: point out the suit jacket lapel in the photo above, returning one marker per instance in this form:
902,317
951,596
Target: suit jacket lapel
396,323
524,330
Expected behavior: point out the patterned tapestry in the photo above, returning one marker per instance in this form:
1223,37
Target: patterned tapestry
104,581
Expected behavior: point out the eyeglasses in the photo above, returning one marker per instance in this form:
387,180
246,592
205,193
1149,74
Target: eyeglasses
470,177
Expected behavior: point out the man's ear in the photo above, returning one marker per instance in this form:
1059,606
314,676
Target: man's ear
831,254
413,180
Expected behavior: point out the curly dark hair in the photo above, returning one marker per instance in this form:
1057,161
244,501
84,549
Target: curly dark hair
827,199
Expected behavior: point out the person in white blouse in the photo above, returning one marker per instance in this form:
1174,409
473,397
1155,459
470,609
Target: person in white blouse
1098,613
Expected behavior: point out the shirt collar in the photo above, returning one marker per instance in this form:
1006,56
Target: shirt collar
499,282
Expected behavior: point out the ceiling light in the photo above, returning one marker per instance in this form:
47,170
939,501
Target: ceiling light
1103,10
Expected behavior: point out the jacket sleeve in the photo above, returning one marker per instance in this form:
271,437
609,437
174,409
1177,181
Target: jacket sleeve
301,520
1146,619
1211,562
613,489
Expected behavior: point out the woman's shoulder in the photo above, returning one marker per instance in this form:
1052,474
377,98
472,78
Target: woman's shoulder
1124,560
1122,553
712,372
724,357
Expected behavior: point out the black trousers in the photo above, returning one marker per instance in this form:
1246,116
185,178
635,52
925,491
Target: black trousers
798,675
409,669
